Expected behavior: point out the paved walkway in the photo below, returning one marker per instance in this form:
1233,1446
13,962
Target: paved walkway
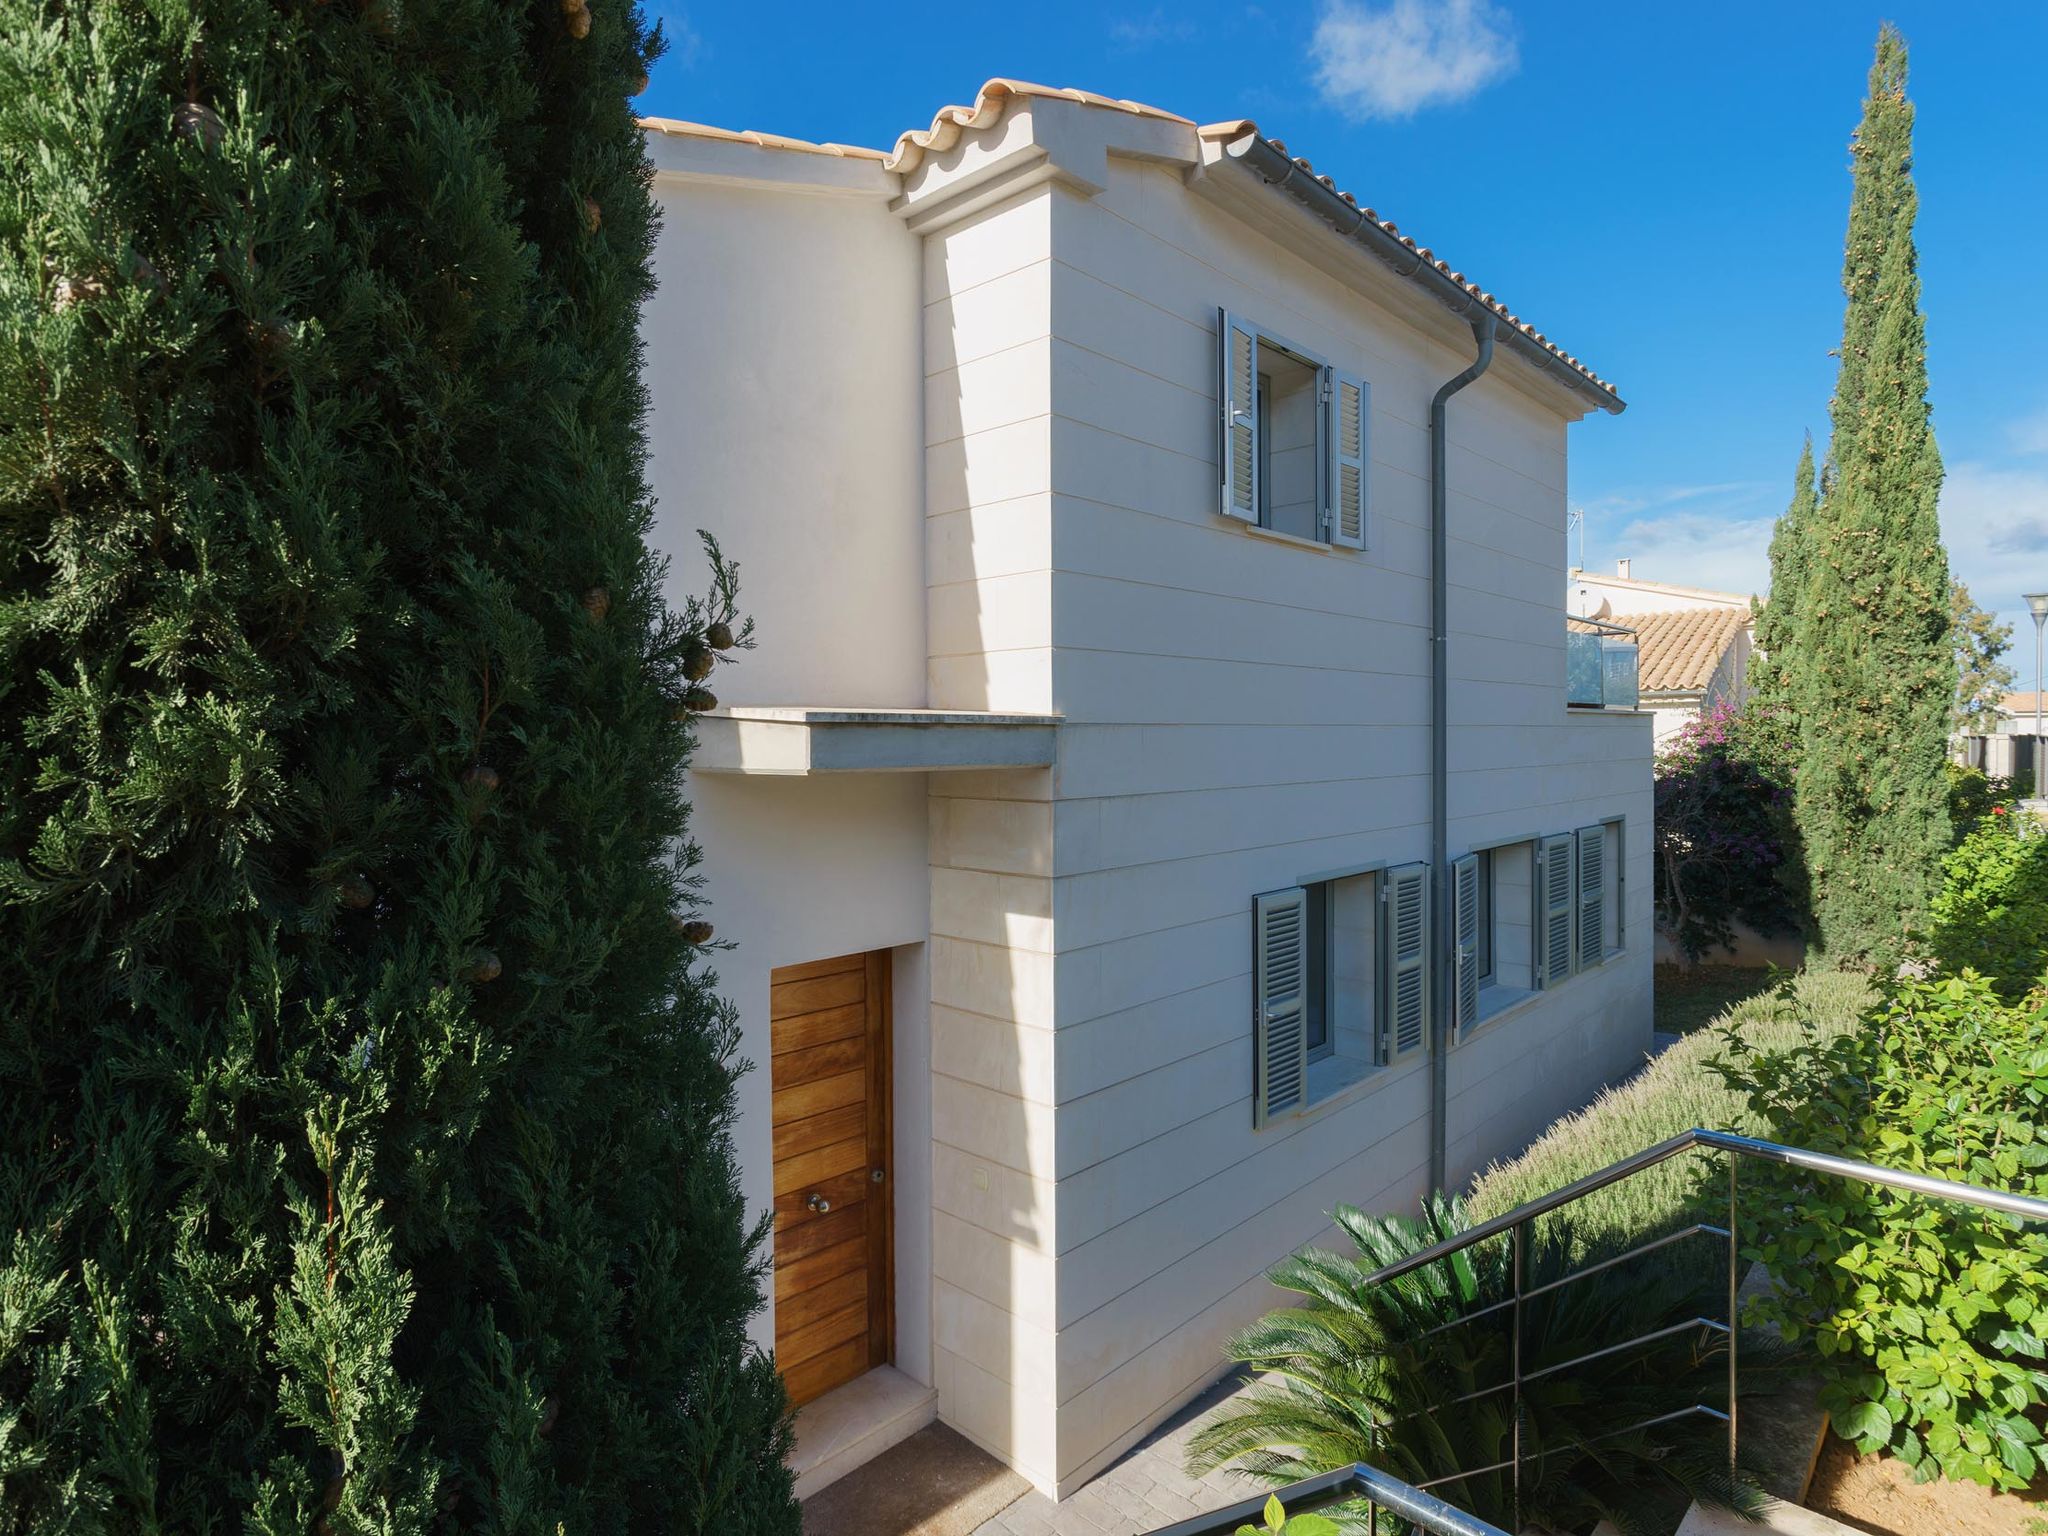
1146,1489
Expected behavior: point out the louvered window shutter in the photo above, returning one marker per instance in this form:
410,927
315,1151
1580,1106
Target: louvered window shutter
1465,960
1554,909
1592,843
1404,961
1348,425
1280,1003
1238,416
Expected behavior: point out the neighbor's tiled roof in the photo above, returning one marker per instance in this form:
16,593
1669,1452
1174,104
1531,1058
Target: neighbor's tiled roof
1678,650
2017,703
950,122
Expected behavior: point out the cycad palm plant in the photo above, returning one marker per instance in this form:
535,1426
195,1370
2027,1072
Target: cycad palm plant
1401,1375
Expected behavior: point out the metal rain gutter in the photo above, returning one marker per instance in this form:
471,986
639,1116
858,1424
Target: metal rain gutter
1274,166
1443,929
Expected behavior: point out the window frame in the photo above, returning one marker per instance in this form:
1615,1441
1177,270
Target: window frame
1320,971
1488,970
1328,1072
1330,381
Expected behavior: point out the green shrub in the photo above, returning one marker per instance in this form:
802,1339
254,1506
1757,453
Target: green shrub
1280,1523
1991,914
1403,1375
366,1100
1929,1316
1972,796
1679,1090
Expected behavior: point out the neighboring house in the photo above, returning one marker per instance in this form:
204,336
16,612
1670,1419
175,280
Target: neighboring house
2008,751
1074,823
1693,644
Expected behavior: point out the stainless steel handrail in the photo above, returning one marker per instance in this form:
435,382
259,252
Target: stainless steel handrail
1377,1488
1440,1519
2026,1207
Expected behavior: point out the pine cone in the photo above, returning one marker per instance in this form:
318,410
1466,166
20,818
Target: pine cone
196,120
480,779
592,214
356,893
485,967
142,271
550,1413
638,84
700,701
273,340
67,291
579,23
695,932
718,635
597,602
697,664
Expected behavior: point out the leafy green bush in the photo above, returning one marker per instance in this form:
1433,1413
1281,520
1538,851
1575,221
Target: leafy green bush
1679,1090
1991,913
1280,1523
1973,795
1928,1316
1402,1375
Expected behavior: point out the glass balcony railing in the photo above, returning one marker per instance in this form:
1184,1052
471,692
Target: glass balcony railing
1599,665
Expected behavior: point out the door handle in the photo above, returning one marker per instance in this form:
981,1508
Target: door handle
819,1204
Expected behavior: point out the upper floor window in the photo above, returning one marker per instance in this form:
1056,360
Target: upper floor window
1294,437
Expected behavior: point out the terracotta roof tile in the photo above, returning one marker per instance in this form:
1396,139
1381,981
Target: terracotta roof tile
678,128
1678,650
949,123
1227,132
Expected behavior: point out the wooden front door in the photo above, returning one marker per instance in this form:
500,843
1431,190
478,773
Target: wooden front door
829,1031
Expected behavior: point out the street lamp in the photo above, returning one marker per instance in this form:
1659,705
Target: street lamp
2037,604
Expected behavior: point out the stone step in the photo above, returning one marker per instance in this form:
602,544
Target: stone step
1780,1519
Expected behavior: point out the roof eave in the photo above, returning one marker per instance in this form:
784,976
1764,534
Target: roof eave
1270,161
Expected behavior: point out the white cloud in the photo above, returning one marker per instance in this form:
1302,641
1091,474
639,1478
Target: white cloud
1995,523
1391,58
1134,33
1715,536
2030,433
685,42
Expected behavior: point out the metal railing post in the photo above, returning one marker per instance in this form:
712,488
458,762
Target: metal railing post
1428,1513
1734,1289
1521,1236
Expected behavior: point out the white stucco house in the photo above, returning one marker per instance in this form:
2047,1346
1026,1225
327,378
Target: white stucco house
2007,751
1693,643
1119,872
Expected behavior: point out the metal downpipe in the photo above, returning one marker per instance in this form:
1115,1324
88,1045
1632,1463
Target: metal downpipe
1443,930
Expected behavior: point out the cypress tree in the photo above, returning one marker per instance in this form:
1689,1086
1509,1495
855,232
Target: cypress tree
1876,676
363,1098
1773,674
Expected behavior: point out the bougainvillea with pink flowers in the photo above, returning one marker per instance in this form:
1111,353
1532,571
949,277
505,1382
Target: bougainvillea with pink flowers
1726,846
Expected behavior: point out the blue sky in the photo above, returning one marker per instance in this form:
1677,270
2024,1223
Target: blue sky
1662,188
